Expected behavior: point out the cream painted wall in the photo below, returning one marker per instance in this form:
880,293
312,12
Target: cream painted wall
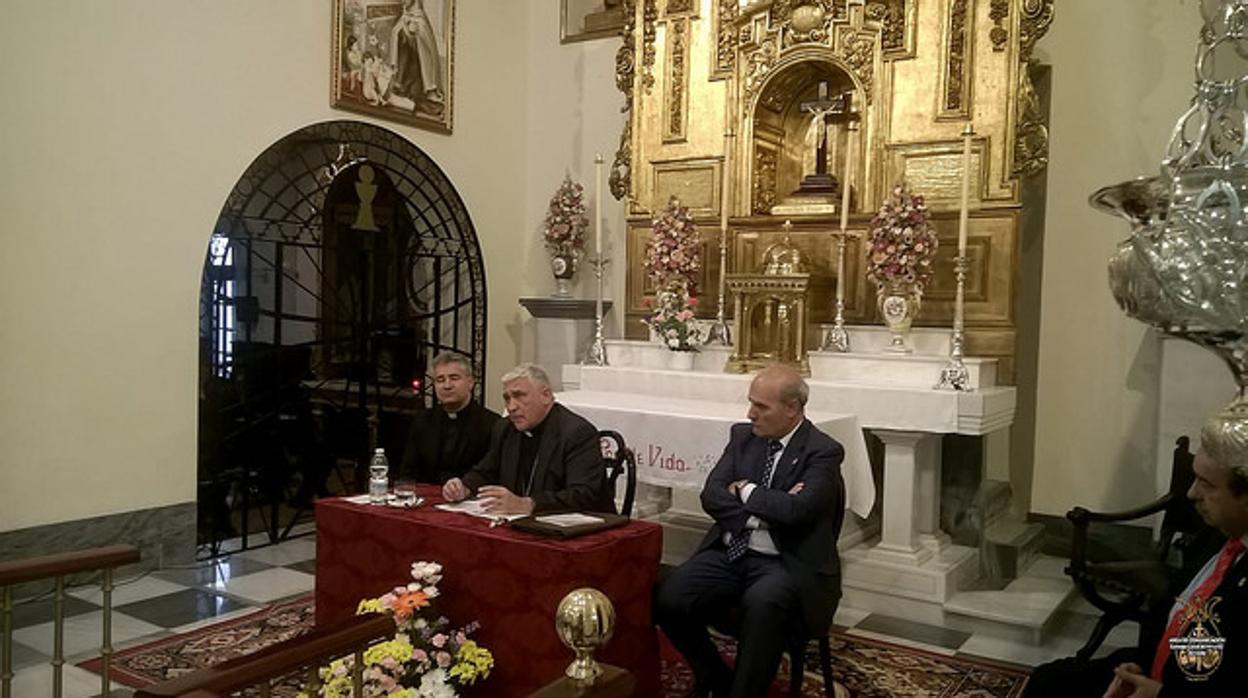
573,113
1122,74
123,126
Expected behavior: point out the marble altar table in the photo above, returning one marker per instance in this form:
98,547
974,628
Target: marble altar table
908,560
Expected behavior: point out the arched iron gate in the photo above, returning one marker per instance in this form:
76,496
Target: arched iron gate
342,262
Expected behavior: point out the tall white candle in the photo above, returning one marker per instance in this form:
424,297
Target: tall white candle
849,170
598,207
964,215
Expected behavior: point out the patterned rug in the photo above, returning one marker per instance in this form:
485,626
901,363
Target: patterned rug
869,668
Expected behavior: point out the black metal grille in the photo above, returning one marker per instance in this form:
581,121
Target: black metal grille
312,331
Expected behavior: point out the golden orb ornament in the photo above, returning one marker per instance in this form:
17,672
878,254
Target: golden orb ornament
585,620
807,18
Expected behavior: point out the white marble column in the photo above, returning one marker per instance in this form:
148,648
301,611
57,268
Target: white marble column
910,530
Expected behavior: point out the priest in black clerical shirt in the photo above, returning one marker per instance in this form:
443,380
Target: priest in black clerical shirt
444,442
544,457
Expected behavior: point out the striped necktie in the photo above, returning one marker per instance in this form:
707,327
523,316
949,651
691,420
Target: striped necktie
740,542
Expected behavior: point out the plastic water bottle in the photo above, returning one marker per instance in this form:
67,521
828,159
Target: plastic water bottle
378,477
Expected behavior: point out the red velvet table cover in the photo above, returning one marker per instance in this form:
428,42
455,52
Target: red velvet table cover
509,581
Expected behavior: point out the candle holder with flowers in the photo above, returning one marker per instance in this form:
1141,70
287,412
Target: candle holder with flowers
564,232
900,248
673,262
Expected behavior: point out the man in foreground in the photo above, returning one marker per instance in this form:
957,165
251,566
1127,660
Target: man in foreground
1211,609
778,501
447,440
542,458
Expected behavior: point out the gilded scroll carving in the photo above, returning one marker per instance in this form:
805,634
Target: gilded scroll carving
857,50
955,97
763,194
676,97
1031,134
999,12
625,67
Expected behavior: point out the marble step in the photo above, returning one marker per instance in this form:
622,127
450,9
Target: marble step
1024,611
1008,547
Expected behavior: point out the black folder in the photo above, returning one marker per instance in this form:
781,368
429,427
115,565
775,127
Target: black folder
530,524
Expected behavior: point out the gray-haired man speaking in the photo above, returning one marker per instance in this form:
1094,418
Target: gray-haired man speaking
543,457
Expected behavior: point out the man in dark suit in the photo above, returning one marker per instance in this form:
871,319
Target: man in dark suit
1213,606
778,501
444,442
543,457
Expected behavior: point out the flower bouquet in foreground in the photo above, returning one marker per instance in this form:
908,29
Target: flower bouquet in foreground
427,657
900,249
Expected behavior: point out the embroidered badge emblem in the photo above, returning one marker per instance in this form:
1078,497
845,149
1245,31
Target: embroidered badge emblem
1198,647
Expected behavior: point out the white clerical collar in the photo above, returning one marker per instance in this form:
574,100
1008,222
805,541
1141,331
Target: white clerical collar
454,414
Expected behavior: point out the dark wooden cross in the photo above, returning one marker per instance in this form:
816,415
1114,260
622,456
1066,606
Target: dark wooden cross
834,110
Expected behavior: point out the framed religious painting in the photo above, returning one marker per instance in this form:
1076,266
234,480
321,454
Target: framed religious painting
581,20
395,59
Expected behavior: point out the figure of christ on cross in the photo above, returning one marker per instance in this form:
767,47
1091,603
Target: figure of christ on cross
825,111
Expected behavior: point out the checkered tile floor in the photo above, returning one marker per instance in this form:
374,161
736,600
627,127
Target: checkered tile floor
173,601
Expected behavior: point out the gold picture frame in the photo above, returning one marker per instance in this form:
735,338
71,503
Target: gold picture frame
583,20
395,60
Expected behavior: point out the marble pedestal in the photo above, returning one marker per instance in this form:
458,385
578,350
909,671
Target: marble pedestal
563,332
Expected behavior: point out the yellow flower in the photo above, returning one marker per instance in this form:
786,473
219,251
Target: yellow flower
472,662
370,606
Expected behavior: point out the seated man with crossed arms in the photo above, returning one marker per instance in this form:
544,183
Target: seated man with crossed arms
778,501
543,457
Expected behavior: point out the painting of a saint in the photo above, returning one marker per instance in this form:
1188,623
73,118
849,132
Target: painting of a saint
394,59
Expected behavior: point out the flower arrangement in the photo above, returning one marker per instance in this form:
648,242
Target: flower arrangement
566,221
673,251
426,657
672,320
902,243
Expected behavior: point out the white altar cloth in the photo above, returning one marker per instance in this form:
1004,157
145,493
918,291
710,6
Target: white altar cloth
678,441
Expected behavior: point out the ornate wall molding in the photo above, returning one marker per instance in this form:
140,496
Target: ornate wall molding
897,19
649,15
675,87
679,7
999,13
763,194
1031,133
625,74
957,70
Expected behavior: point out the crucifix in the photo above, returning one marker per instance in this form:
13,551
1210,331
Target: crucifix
825,112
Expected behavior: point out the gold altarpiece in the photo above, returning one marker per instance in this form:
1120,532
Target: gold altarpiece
716,89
